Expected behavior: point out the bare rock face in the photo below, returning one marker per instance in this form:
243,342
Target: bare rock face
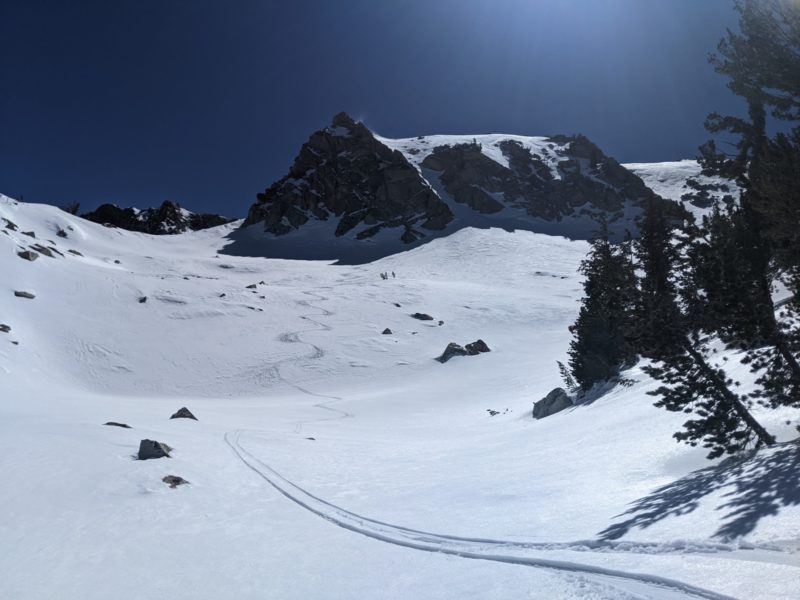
151,449
183,413
556,401
585,183
166,219
345,175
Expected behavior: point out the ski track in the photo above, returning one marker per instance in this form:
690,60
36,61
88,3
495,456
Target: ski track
463,547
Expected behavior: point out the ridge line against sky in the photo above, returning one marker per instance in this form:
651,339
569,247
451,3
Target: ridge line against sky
208,103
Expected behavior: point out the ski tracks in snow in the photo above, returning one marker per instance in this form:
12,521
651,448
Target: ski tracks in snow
638,584
471,548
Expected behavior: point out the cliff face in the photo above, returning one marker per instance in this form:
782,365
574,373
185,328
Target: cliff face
348,185
344,174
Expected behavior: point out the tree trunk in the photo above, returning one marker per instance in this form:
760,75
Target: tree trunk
736,403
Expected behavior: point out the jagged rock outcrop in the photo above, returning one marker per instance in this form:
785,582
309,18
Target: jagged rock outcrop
166,219
566,177
343,174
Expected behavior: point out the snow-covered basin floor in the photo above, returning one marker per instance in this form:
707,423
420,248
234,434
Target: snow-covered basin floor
398,437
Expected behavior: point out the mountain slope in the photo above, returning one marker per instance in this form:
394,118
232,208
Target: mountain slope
313,399
169,218
353,195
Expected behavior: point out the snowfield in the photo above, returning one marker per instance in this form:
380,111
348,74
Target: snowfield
332,461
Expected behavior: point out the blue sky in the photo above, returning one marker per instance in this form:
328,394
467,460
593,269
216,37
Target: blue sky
207,103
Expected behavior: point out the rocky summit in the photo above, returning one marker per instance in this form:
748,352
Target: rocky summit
168,218
344,175
417,188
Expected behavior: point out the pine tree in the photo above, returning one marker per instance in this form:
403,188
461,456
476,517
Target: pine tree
691,383
599,349
656,315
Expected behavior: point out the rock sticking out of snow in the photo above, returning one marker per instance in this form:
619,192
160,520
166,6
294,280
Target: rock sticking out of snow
477,347
452,350
554,402
387,331
174,481
27,295
115,424
28,255
183,413
4,328
151,449
422,317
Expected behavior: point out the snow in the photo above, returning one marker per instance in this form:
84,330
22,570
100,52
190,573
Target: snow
408,489
418,148
668,180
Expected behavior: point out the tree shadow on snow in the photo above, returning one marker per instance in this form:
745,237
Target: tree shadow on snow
751,489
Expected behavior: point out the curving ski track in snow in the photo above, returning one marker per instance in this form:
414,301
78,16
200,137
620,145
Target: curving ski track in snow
464,547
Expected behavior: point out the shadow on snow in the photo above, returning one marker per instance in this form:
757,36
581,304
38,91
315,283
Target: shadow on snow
751,489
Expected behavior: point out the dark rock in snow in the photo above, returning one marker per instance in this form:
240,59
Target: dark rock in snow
554,402
387,331
452,350
252,286
27,295
151,449
422,317
10,224
43,250
168,218
183,413
142,299
61,233
174,481
477,347
75,252
4,328
28,255
29,234
115,424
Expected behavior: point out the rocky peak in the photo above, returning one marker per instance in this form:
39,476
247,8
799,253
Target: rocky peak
166,219
345,176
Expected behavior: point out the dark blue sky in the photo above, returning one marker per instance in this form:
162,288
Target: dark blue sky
207,102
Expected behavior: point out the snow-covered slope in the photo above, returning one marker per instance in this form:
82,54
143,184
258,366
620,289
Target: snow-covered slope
684,182
364,196
332,461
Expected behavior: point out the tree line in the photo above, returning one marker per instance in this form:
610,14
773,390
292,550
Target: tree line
677,293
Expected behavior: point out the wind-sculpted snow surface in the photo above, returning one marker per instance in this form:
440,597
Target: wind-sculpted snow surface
432,480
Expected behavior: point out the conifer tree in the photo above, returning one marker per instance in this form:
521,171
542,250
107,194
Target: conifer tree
599,349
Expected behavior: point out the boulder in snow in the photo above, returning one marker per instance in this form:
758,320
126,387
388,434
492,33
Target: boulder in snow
183,413
477,347
27,295
554,402
4,328
115,424
152,449
422,317
174,481
452,350
387,331
28,255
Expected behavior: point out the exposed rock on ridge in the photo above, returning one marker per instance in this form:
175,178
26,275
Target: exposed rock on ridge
166,219
344,174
